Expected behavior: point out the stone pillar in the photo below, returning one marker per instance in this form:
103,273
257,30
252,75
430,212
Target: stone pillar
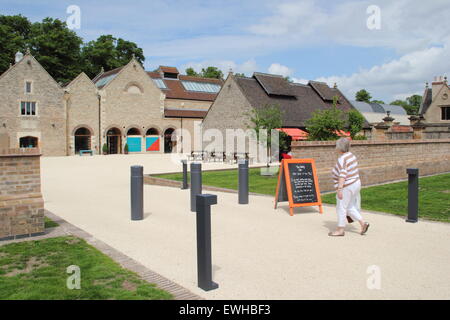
417,126
21,202
383,129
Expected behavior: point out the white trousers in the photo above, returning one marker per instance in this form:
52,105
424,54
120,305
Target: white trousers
350,204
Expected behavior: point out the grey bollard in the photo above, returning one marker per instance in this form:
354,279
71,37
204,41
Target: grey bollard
204,260
196,183
184,185
243,182
413,195
137,193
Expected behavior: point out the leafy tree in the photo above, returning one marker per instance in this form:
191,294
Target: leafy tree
212,72
14,32
355,122
411,105
378,101
110,53
237,74
56,48
414,103
268,118
191,72
324,124
363,95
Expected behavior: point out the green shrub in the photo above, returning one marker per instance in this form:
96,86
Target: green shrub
359,137
105,148
126,148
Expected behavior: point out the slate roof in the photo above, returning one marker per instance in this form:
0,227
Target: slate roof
375,112
297,101
426,101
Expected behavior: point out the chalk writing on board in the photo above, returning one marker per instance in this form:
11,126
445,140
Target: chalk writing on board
302,183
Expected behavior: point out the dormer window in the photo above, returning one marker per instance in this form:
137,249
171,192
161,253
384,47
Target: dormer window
28,87
170,75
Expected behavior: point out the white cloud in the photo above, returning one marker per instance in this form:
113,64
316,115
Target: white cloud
279,69
406,25
398,78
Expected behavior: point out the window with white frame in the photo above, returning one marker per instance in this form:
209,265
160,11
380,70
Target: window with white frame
28,108
27,86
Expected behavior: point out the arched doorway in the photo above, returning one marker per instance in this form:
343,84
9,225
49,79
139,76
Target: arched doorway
152,140
114,141
82,139
28,142
134,140
168,143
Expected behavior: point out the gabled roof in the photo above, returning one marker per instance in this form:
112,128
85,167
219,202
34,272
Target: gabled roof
297,102
31,57
426,101
81,75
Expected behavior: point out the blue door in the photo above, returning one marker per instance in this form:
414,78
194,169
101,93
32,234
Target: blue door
134,144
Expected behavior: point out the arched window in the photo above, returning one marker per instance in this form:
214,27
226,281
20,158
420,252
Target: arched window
133,132
82,139
133,89
152,132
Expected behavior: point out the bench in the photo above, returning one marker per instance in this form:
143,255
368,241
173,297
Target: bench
86,151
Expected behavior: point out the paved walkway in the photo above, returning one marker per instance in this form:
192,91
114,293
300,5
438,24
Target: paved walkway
258,252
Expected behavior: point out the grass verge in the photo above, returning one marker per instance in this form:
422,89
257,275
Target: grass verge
37,270
434,192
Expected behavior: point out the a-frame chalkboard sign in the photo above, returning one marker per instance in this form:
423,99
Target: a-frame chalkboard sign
298,184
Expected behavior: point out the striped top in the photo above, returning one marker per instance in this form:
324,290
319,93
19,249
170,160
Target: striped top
346,167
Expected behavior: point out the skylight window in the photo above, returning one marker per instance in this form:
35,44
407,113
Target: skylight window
103,81
201,86
160,83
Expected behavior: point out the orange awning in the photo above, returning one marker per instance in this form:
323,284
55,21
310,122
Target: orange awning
295,133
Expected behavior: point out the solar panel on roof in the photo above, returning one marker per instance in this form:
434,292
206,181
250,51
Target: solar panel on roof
201,86
160,83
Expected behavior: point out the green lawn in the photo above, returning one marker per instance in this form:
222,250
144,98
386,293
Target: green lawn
229,179
434,194
37,270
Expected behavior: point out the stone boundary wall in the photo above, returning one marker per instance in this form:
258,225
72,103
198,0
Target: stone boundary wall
379,161
21,202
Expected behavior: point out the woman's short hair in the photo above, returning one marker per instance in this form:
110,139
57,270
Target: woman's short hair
343,144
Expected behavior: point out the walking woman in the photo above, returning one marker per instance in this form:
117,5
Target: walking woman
348,185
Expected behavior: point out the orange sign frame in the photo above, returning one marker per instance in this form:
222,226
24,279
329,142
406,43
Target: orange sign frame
284,169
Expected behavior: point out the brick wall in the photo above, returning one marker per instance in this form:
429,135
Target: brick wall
21,202
379,161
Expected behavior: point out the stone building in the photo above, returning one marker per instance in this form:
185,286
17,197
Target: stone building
239,95
125,106
32,112
434,112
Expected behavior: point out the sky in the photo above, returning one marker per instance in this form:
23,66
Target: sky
390,48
